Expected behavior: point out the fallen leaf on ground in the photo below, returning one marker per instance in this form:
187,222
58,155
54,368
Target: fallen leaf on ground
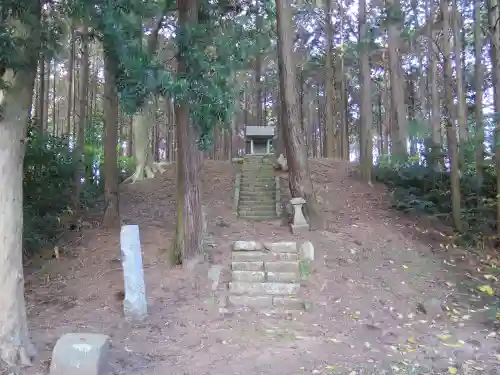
486,289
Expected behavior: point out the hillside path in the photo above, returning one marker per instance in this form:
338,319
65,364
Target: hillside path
377,286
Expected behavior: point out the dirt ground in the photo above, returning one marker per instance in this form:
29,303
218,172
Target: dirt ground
376,288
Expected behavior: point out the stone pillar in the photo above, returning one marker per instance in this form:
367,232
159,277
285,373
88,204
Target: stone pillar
268,147
299,222
135,304
251,146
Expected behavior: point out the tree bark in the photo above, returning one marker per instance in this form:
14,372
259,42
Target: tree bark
80,134
188,243
15,102
366,142
478,87
400,125
298,167
329,84
110,103
494,36
450,127
71,68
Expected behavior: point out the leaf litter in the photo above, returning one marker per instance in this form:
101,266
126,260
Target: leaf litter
368,315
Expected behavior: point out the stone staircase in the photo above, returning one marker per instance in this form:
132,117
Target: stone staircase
257,192
265,276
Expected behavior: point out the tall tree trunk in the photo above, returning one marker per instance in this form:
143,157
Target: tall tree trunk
366,142
460,84
110,104
188,243
71,68
15,103
299,178
259,114
434,108
400,125
329,83
80,133
41,95
450,127
46,97
343,93
494,36
142,124
478,88
54,94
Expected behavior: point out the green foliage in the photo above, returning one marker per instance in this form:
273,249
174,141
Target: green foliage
417,187
212,49
48,174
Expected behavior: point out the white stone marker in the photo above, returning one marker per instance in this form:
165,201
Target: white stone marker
135,306
81,354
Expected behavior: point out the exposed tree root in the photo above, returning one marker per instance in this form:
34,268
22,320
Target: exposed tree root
16,355
145,172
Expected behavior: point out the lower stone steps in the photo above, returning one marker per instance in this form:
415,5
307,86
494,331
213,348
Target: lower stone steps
265,276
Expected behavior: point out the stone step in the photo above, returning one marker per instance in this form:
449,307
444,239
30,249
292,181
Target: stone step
282,266
261,276
258,176
257,206
257,201
266,302
267,288
247,266
258,181
257,217
270,258
249,212
256,194
263,189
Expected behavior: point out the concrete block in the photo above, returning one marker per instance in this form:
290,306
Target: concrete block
249,276
247,246
288,303
81,354
251,301
307,251
281,266
263,288
248,256
247,266
281,247
283,277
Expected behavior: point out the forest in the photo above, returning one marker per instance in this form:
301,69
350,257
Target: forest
100,93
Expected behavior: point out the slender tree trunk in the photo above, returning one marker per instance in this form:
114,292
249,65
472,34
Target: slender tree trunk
366,142
71,68
478,86
110,104
329,83
80,134
259,20
188,243
41,95
450,128
299,178
460,86
494,36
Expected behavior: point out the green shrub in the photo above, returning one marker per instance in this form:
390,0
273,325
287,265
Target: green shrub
422,189
49,168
